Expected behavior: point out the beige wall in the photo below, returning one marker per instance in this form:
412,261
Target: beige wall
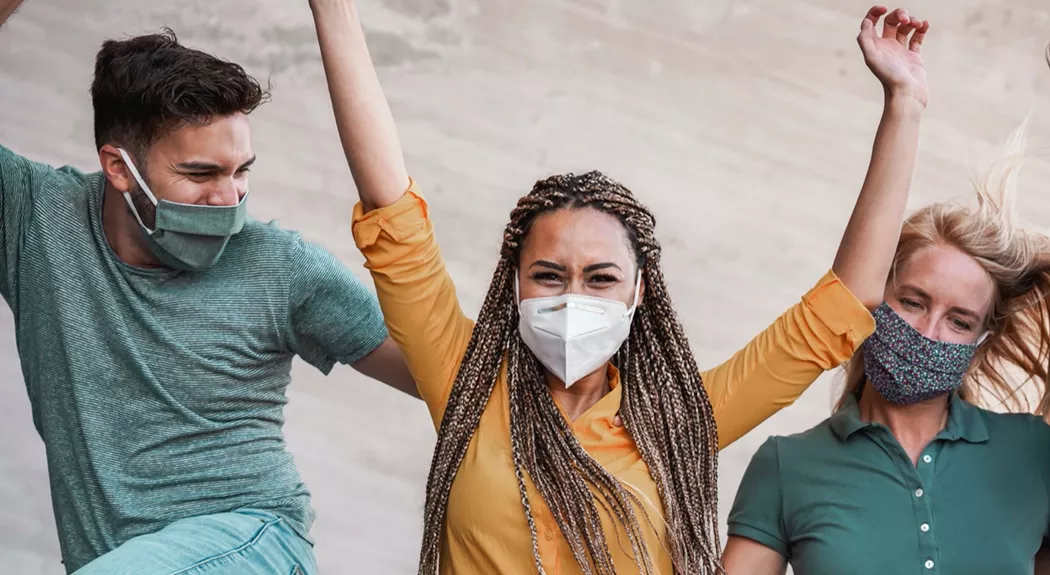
745,124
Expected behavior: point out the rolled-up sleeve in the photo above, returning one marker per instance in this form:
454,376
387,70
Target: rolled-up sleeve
416,293
777,366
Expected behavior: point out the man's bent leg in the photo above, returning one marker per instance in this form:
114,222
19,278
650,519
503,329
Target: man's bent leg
246,542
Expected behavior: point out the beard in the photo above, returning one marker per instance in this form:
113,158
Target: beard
146,209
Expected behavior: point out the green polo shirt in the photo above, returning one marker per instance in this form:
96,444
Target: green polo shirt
844,497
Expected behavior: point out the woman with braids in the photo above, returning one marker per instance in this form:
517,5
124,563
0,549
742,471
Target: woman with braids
909,475
531,473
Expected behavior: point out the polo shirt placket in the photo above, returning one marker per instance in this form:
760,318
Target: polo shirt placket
922,501
917,478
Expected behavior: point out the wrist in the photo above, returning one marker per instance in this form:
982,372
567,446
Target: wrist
341,5
903,101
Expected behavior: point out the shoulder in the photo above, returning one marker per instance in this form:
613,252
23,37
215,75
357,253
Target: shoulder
816,439
790,457
1015,427
265,243
784,451
269,232
13,164
39,179
268,240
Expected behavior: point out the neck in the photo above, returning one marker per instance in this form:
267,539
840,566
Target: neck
122,231
583,394
914,426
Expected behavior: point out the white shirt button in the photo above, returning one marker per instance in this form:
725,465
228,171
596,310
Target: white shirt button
928,564
927,458
924,527
919,492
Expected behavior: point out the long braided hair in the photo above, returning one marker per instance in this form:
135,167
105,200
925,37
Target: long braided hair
664,408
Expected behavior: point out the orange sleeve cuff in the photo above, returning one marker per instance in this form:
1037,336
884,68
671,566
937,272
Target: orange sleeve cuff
838,309
400,220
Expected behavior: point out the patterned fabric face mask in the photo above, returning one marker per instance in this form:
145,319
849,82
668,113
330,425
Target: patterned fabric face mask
906,367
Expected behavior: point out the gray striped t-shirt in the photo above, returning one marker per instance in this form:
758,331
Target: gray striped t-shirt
159,393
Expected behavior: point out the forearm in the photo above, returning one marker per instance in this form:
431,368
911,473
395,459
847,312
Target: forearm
7,8
866,252
780,363
743,556
362,115
1042,561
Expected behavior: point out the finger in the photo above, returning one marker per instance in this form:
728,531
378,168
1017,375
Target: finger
872,17
905,30
895,19
617,421
867,35
919,36
866,38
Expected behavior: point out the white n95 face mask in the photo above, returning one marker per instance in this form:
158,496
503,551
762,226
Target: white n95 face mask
572,335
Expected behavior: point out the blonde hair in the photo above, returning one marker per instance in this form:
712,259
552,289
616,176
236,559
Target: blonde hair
1017,261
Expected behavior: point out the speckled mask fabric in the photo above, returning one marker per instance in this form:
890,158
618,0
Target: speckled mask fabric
906,367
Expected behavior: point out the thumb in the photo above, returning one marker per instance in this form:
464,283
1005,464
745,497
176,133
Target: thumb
866,38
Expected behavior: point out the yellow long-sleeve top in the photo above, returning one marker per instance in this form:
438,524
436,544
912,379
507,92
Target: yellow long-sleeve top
486,531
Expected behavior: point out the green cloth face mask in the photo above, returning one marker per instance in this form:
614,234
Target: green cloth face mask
187,237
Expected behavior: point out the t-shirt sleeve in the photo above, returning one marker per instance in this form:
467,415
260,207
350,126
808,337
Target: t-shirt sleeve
758,510
333,317
18,178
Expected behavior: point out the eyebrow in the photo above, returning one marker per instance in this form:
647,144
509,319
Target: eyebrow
547,264
923,295
588,269
209,166
601,266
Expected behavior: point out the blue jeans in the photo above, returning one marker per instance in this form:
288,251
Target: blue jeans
245,542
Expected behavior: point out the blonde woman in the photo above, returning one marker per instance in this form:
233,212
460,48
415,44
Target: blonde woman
531,472
908,475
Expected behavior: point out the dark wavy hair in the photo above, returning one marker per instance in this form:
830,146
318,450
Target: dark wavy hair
148,86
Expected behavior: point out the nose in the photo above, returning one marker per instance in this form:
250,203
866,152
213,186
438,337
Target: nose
575,285
227,193
927,326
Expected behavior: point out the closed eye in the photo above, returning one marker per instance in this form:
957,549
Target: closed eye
604,279
546,277
910,303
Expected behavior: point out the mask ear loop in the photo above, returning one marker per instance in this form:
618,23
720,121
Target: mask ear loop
142,186
517,302
637,293
517,289
984,336
137,176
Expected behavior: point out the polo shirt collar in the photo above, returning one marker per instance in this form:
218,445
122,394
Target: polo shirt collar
964,421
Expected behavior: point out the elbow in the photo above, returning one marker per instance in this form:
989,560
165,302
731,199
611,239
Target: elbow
870,301
869,293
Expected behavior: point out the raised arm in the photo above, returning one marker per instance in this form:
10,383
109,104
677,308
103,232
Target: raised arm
870,240
391,227
832,320
366,126
7,8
